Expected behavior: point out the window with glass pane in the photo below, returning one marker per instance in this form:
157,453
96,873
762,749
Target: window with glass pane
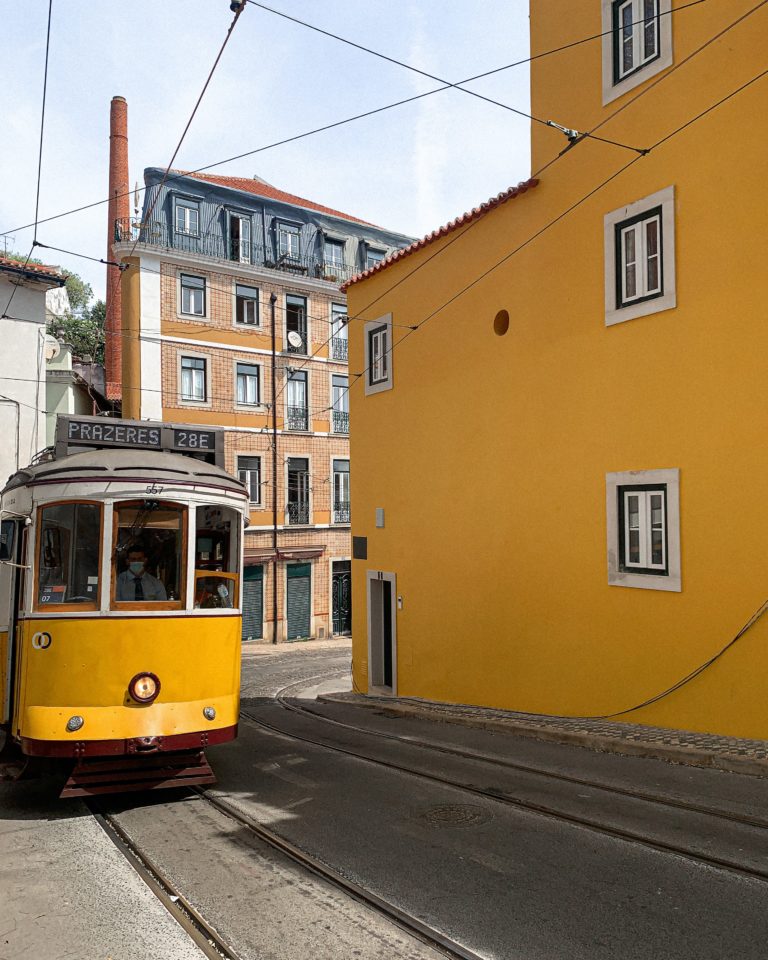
192,295
334,253
378,353
643,529
288,241
636,35
249,473
246,304
217,556
68,561
296,323
339,332
239,238
638,244
187,217
341,512
248,391
148,566
297,414
340,404
193,378
298,490
372,257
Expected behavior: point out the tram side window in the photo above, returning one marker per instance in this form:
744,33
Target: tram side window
217,554
6,539
148,555
68,564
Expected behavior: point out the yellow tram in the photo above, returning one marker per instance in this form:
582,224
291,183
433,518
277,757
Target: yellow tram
119,605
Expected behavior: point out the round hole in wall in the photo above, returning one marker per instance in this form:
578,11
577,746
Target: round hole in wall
501,323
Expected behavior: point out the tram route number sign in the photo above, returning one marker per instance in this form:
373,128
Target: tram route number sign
74,433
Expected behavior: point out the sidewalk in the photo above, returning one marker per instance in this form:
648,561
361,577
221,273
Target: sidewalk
677,746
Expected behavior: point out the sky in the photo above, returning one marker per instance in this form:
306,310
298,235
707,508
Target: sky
409,169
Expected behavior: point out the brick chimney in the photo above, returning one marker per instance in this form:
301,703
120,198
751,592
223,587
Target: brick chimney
118,209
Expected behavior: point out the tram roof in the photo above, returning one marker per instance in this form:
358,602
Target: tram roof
131,464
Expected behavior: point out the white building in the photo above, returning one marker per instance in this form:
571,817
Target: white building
22,360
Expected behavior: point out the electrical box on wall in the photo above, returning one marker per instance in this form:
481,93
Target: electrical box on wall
379,516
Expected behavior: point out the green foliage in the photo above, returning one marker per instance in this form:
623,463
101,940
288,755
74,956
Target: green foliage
83,325
83,330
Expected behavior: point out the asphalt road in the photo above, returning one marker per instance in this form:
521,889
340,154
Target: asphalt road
504,881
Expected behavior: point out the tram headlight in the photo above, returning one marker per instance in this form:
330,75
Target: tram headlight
144,687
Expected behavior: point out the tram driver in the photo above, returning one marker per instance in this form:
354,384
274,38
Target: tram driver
136,583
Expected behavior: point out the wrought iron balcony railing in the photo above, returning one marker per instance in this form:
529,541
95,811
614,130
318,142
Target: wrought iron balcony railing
339,348
341,511
297,418
340,420
298,511
216,244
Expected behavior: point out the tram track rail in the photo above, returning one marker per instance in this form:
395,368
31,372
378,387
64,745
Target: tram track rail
519,803
212,944
405,921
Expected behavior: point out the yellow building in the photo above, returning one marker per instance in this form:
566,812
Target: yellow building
561,476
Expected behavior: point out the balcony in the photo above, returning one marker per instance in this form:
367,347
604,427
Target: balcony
339,348
298,512
340,421
341,511
296,418
157,233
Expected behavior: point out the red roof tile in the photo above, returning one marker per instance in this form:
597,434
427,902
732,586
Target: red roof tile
262,189
54,273
461,221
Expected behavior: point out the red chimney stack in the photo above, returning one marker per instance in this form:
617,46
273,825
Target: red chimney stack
118,209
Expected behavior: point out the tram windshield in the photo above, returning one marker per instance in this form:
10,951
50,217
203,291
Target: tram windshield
68,561
148,545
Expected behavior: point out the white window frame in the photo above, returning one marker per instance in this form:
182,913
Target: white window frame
310,494
189,207
644,301
615,84
343,402
247,482
180,295
292,230
245,232
288,391
620,572
191,401
257,306
378,254
331,244
247,404
333,474
378,378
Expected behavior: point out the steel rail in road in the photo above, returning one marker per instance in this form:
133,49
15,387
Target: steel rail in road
410,924
208,939
527,768
519,803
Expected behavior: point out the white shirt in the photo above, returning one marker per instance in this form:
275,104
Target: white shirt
152,588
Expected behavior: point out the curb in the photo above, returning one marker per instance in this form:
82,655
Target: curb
600,742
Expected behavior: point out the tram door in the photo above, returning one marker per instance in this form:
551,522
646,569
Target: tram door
10,558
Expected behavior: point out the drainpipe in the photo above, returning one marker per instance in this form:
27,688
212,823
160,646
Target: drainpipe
272,301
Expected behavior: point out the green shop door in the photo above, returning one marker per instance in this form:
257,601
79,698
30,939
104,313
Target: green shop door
253,602
299,592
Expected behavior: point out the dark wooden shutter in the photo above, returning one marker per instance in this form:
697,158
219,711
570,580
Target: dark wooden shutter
253,602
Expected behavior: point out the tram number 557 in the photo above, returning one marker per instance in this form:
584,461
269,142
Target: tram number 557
41,641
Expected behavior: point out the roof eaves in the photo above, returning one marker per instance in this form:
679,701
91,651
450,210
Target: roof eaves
34,271
443,231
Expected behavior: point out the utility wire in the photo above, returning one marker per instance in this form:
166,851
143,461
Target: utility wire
4,314
339,123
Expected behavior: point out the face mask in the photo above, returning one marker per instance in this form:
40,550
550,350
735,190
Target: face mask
136,567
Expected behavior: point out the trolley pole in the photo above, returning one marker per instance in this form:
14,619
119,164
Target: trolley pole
272,301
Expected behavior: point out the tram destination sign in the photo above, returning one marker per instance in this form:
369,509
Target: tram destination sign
74,434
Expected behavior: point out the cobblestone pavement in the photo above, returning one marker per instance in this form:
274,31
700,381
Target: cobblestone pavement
267,668
681,746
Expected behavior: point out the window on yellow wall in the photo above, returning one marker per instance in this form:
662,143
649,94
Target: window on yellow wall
637,43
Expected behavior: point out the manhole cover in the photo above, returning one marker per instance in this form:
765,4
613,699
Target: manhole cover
456,815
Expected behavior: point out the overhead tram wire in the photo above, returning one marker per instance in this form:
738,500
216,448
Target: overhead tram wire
413,328
4,314
338,123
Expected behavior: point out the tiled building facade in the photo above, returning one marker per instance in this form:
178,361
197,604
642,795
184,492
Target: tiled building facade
212,268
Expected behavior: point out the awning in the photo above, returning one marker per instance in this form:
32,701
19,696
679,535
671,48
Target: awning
254,556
